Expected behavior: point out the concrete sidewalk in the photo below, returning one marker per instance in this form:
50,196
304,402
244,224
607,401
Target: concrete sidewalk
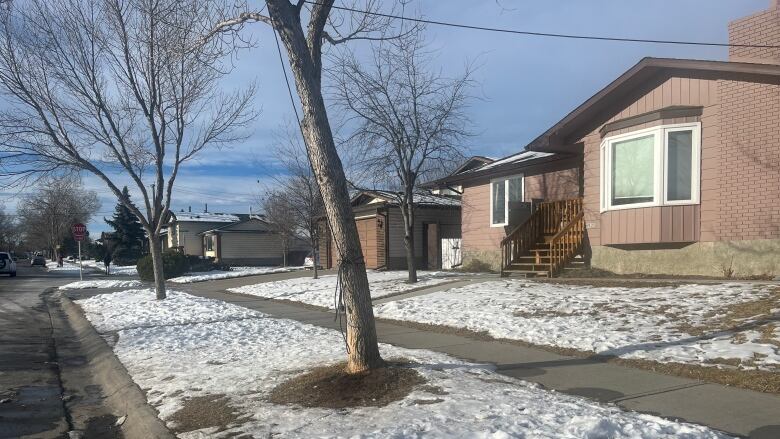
742,412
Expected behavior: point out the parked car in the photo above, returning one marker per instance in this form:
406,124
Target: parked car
70,259
37,260
7,264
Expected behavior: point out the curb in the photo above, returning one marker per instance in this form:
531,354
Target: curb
99,367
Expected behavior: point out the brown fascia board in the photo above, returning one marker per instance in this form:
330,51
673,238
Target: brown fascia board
646,74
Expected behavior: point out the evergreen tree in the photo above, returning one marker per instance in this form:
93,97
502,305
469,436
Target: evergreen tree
128,234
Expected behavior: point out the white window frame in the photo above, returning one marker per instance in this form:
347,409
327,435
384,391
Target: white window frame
506,197
661,168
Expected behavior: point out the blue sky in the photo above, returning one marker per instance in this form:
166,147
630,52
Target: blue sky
525,83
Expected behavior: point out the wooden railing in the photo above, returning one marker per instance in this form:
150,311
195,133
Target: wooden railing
549,218
521,239
566,243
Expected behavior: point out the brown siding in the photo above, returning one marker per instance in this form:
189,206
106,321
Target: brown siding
368,240
475,220
627,226
650,225
551,186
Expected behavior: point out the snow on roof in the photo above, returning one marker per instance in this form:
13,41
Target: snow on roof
512,159
206,217
422,198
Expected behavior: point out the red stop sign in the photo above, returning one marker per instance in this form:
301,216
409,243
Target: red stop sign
79,231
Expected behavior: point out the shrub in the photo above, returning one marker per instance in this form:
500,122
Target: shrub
174,265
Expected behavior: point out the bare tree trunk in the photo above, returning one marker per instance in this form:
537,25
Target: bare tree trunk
314,256
157,263
407,212
361,330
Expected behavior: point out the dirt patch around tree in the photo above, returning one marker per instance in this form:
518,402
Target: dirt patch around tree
333,387
205,412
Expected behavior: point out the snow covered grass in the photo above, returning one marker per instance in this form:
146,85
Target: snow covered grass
320,291
67,267
102,283
234,272
694,324
186,347
126,270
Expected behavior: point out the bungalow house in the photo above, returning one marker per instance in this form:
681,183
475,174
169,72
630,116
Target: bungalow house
251,241
678,172
233,239
380,226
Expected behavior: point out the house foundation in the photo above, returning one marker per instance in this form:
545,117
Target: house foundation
720,259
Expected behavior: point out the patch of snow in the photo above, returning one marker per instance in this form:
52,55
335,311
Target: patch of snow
520,157
234,272
123,270
67,267
320,291
198,347
206,217
646,323
102,283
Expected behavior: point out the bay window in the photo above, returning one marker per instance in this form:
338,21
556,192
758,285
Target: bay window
505,193
651,167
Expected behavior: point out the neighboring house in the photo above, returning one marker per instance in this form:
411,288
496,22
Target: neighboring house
233,239
381,229
251,241
497,197
184,229
680,171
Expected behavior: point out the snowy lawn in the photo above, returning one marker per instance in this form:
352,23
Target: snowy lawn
320,291
101,283
234,272
127,270
697,324
186,347
67,267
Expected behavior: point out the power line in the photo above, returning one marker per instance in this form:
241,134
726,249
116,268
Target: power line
545,34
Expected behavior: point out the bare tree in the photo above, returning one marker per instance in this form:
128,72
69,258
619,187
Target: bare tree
298,187
122,89
278,211
411,119
47,214
10,236
304,52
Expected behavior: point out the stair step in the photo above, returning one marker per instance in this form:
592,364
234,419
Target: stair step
527,273
529,267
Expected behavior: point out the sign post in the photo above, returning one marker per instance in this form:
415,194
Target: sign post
79,232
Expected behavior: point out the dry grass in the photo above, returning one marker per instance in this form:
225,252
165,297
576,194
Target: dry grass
333,387
733,374
204,412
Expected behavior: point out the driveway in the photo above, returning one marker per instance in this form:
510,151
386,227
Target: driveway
30,388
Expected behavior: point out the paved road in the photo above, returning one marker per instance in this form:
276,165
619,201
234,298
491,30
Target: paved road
30,388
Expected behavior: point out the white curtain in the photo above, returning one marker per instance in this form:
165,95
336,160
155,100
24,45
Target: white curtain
633,170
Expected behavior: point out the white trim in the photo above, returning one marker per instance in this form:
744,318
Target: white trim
373,215
506,197
660,168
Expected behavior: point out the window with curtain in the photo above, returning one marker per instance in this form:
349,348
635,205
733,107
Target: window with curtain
505,194
633,171
651,167
679,165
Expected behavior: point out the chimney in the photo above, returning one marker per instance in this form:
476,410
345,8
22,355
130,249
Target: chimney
761,28
206,208
189,209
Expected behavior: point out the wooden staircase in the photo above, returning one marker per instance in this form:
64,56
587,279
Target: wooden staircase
547,242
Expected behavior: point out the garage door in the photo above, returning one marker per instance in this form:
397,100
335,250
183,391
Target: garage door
367,231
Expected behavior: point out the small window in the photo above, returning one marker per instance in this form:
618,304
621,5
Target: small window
209,243
505,195
679,165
